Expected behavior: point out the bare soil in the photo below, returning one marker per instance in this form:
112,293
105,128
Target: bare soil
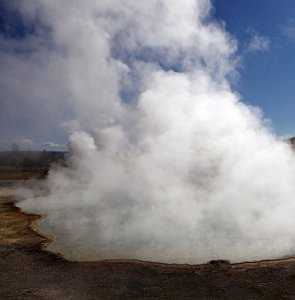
20,174
28,272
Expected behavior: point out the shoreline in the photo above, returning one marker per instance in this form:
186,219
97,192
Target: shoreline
34,226
30,271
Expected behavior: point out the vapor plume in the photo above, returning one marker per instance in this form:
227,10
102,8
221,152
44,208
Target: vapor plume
168,164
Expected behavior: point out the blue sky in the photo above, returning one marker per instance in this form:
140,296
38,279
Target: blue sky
267,75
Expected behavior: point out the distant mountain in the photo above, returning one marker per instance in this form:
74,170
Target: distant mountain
30,159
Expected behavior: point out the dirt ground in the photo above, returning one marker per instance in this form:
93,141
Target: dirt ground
19,175
27,271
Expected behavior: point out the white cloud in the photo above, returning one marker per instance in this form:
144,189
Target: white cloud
258,42
52,145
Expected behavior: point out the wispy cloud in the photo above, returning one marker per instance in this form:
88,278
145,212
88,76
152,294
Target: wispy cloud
52,145
21,143
258,42
288,30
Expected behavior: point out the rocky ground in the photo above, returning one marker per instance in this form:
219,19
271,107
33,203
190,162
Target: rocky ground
27,271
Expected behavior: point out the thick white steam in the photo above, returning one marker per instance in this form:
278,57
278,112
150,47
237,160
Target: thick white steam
168,164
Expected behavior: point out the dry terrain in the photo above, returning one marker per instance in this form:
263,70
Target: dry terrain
30,272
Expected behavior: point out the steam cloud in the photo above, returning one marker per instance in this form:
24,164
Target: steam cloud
168,164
